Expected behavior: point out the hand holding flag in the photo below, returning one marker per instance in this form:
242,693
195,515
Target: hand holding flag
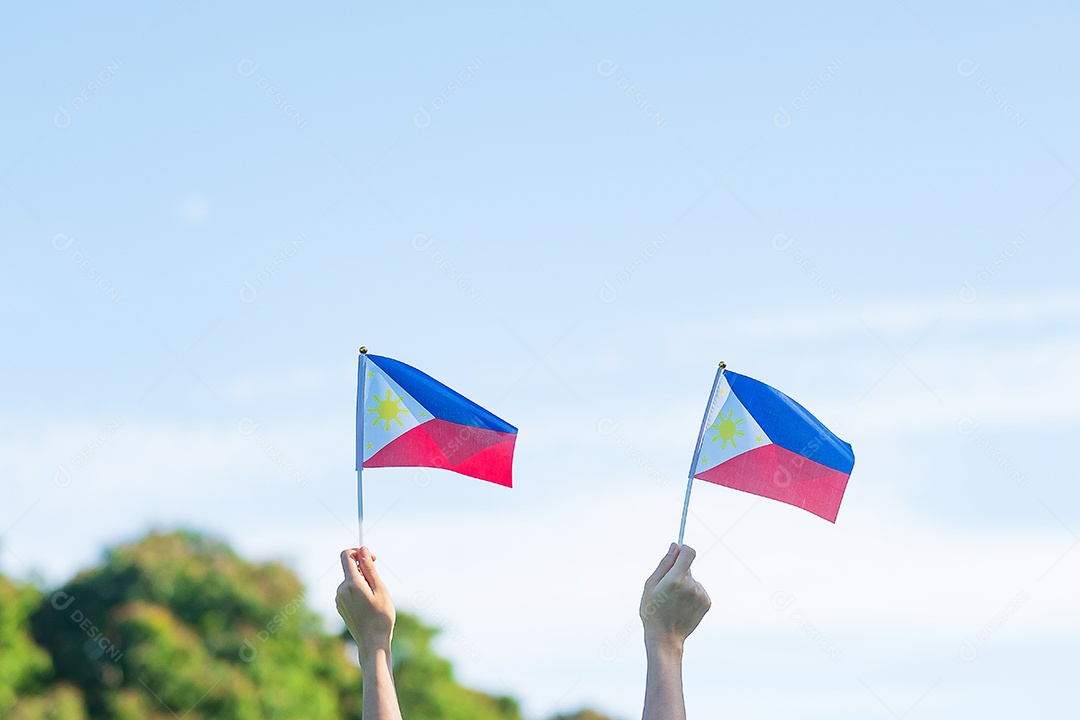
673,602
672,606
364,603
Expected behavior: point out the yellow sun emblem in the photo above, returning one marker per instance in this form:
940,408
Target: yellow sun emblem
726,429
387,410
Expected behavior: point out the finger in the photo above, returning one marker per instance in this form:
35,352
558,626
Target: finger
348,564
367,567
681,565
665,565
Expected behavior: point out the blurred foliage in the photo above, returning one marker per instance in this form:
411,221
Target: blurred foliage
177,625
28,690
582,715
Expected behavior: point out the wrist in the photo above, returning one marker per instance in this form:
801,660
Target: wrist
371,639
376,640
664,644
372,649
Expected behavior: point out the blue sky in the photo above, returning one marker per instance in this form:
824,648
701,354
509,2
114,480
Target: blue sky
570,214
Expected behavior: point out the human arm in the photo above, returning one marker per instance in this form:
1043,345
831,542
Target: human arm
364,604
672,605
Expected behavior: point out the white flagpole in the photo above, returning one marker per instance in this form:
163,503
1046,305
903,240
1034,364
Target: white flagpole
697,450
361,389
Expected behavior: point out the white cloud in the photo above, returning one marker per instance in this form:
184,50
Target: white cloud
195,209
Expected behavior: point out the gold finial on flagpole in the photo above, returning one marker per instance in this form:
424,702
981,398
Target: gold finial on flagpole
723,364
363,350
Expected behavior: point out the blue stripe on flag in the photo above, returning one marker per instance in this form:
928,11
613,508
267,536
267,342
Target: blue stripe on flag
790,425
440,401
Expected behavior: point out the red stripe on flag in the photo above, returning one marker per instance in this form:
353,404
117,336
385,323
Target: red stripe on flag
493,464
477,452
460,442
780,474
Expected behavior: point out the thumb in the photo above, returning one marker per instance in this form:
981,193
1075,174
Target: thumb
664,566
348,564
681,567
367,566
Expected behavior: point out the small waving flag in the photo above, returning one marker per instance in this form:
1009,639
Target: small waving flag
756,439
405,418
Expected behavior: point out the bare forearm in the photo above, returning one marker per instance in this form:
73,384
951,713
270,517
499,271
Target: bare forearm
663,682
380,697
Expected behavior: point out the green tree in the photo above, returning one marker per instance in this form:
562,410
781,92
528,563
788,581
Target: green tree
582,715
425,682
27,691
177,625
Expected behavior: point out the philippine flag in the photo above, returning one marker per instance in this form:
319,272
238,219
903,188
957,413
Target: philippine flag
756,439
405,418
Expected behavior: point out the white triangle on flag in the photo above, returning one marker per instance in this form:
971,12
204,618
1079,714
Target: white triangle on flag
389,412
729,430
